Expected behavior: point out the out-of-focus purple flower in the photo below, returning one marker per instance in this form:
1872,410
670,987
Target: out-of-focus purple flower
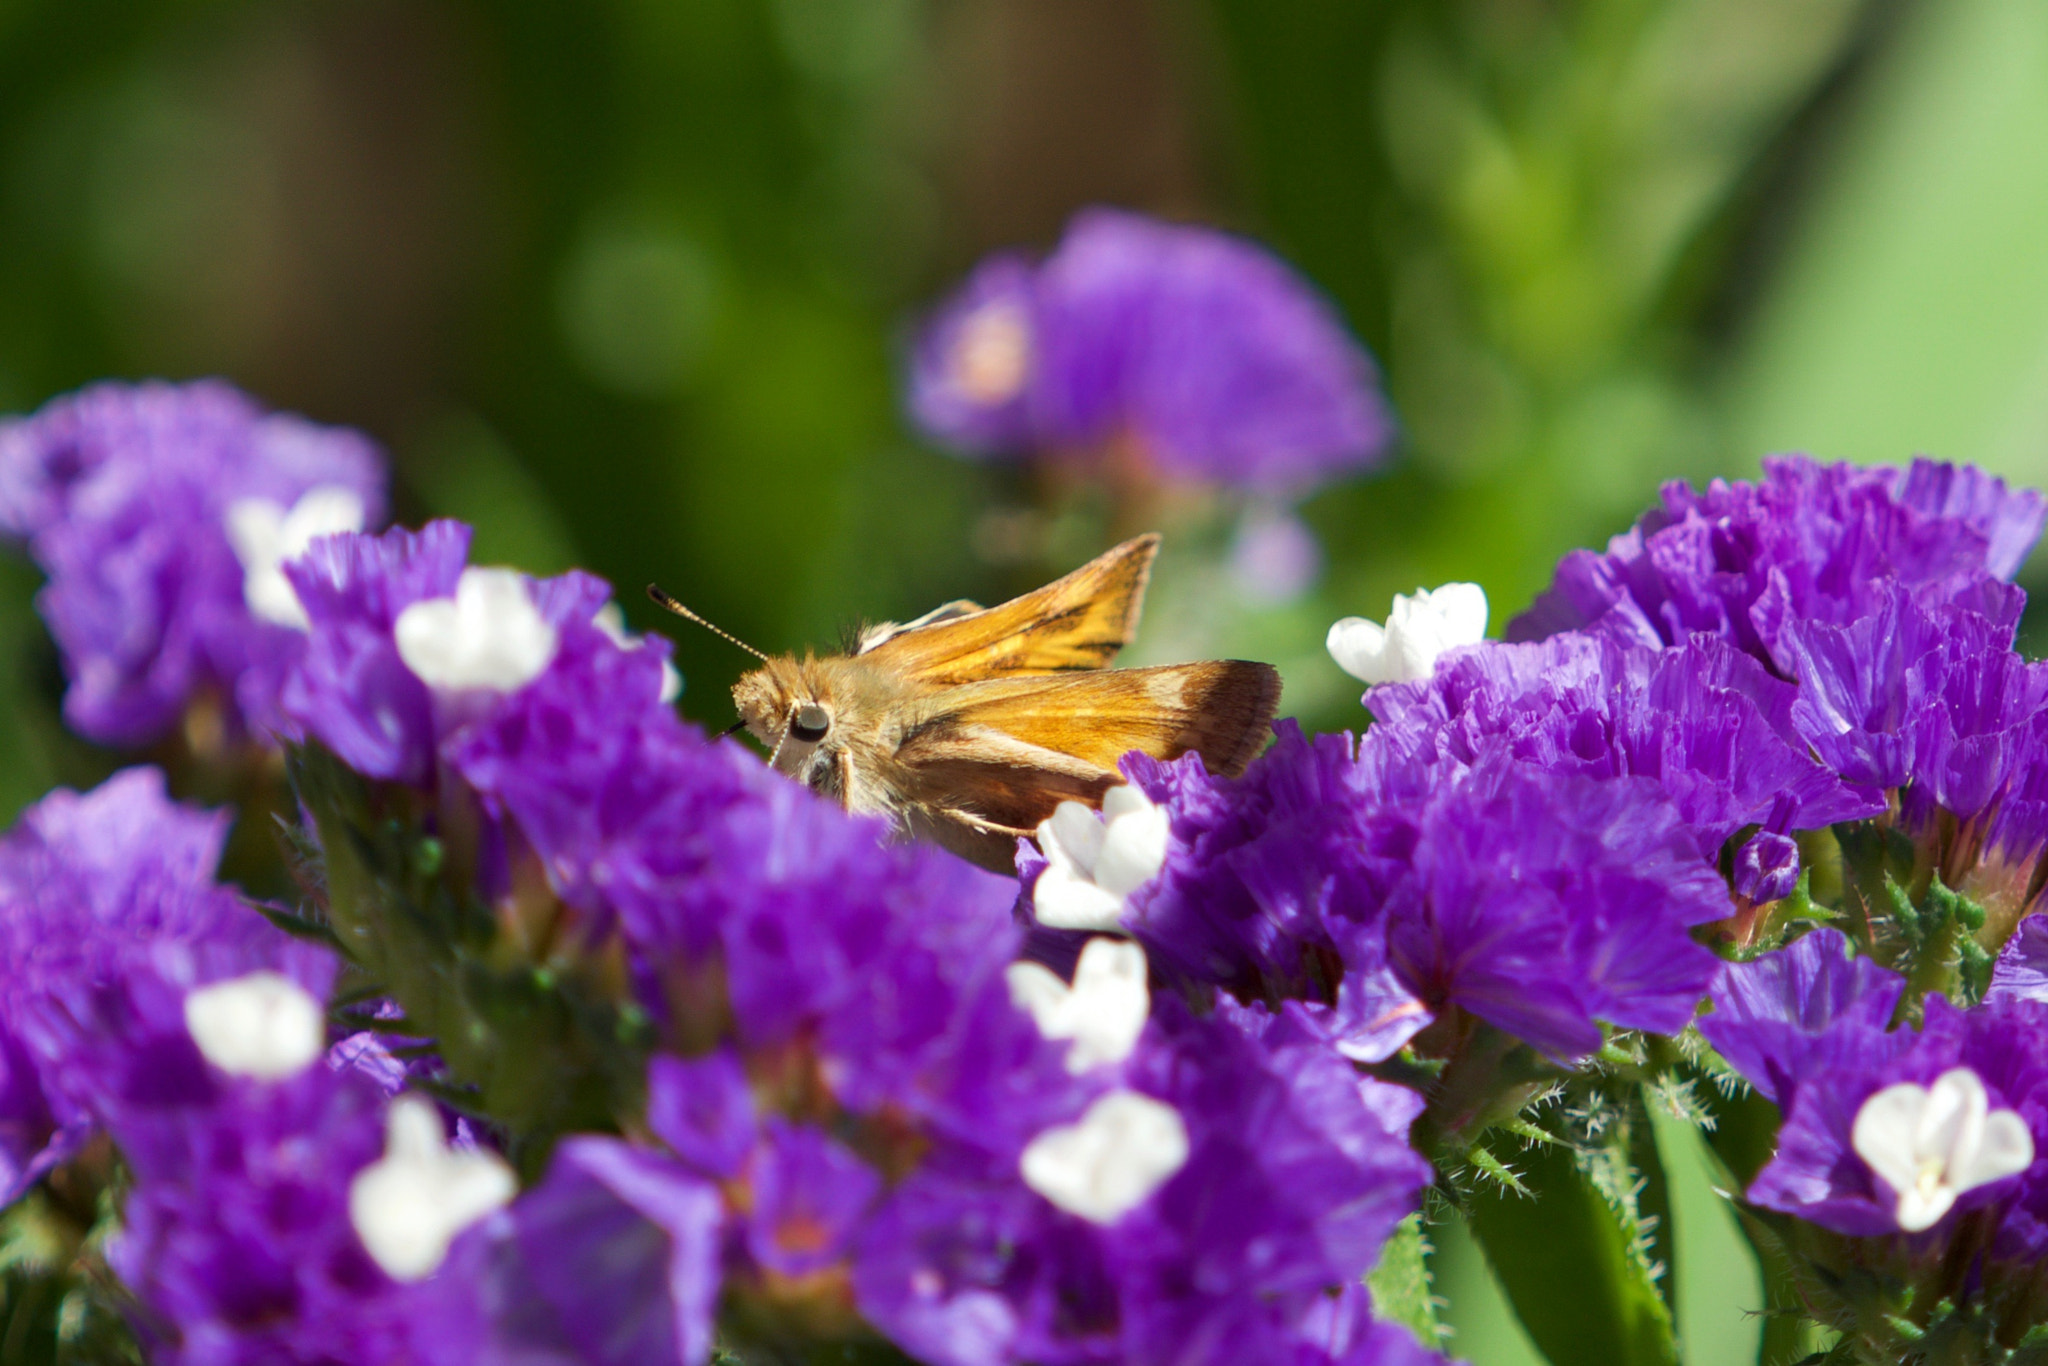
615,1258
1296,1171
236,1236
1342,1332
109,918
1274,557
976,359
702,1109
352,692
1212,358
1807,543
1785,1016
410,651
161,513
810,1195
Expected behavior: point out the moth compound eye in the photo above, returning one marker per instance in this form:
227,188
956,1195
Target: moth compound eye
810,723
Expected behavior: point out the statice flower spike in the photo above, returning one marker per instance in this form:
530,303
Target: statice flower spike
1195,355
409,1205
161,514
261,1025
1094,865
1123,1149
489,637
1931,1144
1417,633
1103,1012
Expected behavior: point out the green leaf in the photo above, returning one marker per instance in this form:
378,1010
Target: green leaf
1578,1260
1401,1287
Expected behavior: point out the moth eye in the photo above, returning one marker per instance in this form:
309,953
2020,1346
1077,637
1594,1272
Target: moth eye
810,723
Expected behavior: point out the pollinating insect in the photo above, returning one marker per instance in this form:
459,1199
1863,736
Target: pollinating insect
969,725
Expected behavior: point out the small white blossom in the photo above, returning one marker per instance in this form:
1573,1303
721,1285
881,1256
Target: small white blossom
1125,1147
1418,631
265,534
1931,1144
1103,1012
488,636
409,1204
611,619
1095,865
263,1025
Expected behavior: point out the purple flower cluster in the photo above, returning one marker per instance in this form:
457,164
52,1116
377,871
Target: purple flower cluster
1807,543
1200,353
853,1145
161,514
1532,833
235,1235
1883,596
1809,1026
1295,1175
109,915
1392,888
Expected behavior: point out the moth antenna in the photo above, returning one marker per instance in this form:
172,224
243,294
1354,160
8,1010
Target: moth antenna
664,600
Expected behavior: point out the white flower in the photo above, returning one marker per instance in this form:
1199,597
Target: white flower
265,535
1418,630
1930,1144
409,1204
1097,864
488,636
1103,1012
611,619
263,1025
1125,1147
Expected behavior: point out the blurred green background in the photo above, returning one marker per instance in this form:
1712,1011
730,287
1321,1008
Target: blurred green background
624,283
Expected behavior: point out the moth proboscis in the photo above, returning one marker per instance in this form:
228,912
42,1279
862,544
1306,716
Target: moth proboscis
969,725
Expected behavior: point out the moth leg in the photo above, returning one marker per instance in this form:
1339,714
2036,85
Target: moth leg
986,827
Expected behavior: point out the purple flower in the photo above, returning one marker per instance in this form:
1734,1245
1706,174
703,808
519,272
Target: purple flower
614,1259
1713,728
410,652
810,1195
2021,972
1296,1170
161,513
1766,867
1855,1111
1807,543
1392,883
109,917
1786,1015
236,1237
972,372
1216,361
1543,903
702,1109
1934,699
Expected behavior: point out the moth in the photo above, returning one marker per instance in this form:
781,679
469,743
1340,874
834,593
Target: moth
969,725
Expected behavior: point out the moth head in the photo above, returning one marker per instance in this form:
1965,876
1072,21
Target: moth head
781,707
